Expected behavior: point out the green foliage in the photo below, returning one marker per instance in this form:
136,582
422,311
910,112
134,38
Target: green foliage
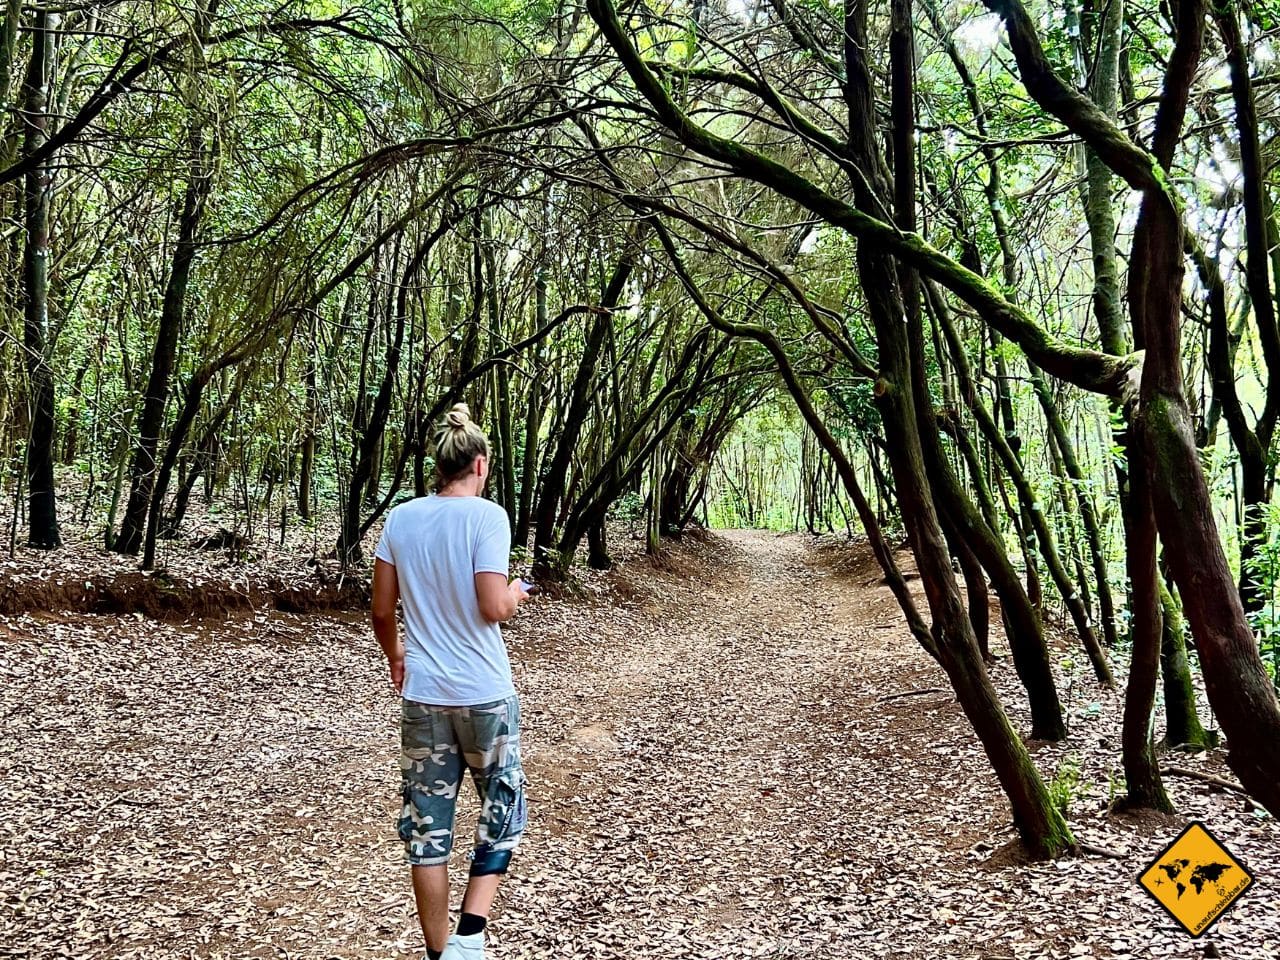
629,507
1264,570
1066,786
758,472
1117,425
1265,13
858,418
1117,788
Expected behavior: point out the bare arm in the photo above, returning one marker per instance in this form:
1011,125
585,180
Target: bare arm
386,594
498,599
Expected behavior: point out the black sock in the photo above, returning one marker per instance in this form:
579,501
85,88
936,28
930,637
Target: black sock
470,923
433,954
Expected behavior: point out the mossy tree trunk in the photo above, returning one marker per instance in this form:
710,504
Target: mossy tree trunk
1182,720
1238,685
1023,625
1141,770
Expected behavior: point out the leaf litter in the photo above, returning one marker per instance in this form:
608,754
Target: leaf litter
736,752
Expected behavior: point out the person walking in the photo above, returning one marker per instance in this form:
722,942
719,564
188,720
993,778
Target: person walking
445,559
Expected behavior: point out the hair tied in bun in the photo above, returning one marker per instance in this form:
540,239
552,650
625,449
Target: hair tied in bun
459,440
459,416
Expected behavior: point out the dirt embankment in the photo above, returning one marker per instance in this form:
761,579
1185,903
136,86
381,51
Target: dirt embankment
166,596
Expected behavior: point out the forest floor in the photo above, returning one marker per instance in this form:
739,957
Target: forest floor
737,752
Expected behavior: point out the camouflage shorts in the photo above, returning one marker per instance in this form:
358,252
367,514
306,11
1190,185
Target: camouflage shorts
438,744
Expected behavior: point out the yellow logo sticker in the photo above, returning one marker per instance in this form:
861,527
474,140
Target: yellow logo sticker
1195,879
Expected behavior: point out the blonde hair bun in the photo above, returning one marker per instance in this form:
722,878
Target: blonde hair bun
459,440
459,416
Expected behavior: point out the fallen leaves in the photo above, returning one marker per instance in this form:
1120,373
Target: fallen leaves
740,755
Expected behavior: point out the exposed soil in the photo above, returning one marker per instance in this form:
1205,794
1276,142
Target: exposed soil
164,596
737,754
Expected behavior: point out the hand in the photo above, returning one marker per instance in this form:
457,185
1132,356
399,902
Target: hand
397,673
516,587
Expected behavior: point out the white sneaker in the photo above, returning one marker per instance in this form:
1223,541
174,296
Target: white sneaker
464,948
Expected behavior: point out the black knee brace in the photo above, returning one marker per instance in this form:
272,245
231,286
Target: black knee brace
486,861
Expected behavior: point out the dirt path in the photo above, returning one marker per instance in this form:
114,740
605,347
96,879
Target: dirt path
716,773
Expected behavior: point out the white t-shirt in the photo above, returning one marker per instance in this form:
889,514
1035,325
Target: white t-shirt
452,656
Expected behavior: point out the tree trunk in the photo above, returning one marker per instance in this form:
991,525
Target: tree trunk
677,481
1257,467
1013,443
10,24
1141,771
551,487
1023,625
182,498
597,547
1034,514
1103,27
1024,628
164,353
42,509
978,599
1088,514
191,399
71,435
1182,720
630,450
370,429
306,469
1237,683
653,527
505,474
533,423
